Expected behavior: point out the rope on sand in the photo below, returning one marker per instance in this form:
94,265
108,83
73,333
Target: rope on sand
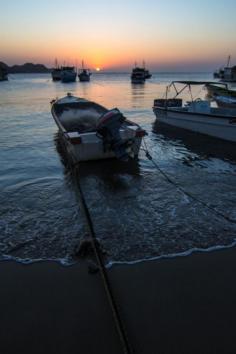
103,272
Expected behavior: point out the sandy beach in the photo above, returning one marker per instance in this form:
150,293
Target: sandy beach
180,305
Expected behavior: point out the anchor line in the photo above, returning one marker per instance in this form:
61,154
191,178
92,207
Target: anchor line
127,349
182,190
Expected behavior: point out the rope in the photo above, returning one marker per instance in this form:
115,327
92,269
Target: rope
182,190
103,272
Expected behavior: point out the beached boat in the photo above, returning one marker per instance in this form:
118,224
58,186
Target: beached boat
68,74
197,115
84,74
92,132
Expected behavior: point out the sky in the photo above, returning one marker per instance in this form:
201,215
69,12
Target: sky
174,35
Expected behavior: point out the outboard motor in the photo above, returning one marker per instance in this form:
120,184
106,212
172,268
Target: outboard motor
108,127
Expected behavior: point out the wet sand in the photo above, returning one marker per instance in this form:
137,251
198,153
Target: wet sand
181,305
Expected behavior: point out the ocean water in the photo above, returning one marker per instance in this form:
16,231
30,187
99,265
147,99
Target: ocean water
137,213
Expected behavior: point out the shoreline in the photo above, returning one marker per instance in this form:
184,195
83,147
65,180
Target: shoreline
62,261
175,305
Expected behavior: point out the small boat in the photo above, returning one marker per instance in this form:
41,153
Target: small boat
138,78
92,132
197,115
228,73
139,75
68,74
56,72
3,73
84,74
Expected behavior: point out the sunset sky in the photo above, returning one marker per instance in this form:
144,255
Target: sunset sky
176,35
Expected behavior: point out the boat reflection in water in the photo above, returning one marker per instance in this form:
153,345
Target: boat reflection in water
205,147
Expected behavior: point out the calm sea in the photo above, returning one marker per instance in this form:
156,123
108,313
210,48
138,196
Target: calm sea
137,213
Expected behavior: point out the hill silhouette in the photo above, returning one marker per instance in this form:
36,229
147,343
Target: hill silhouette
27,68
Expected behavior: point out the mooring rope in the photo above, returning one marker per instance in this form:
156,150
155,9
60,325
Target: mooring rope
103,272
182,190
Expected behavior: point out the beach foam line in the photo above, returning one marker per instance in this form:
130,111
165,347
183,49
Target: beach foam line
68,262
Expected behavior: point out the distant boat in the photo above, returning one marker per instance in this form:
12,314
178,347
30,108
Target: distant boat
89,131
227,73
3,73
84,74
140,74
56,72
197,115
68,74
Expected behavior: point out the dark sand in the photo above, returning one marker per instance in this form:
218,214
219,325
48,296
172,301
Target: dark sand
182,305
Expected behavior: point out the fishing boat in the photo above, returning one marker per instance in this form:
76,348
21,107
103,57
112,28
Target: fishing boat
196,115
228,73
140,74
221,93
56,72
68,74
90,131
84,74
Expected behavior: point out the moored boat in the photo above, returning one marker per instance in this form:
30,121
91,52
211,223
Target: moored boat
228,73
197,115
84,74
92,132
3,73
139,75
56,72
68,74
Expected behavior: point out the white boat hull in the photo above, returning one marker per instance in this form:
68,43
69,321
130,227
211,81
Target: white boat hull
92,149
86,146
222,128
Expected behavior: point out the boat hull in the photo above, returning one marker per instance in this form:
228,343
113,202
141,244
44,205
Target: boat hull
84,78
92,148
219,127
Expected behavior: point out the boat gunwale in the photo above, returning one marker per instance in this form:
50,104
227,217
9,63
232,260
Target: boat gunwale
166,109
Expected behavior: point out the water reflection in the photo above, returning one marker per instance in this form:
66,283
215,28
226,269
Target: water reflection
204,146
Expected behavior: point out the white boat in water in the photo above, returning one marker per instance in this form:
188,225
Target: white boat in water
92,132
197,115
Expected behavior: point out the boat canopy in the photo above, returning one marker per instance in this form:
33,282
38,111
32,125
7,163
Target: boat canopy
188,84
198,83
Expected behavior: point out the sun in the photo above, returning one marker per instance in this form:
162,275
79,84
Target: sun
98,69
